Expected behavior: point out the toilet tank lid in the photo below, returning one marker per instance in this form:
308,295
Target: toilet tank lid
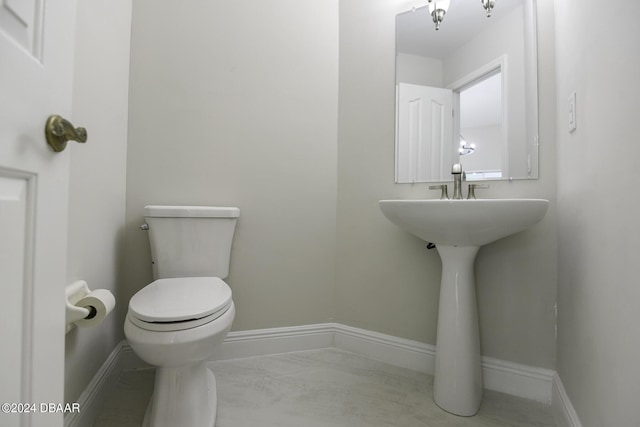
191,211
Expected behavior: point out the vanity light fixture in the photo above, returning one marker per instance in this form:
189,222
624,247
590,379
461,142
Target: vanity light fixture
488,6
438,8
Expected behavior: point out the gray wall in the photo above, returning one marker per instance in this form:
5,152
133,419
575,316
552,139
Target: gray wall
97,178
386,279
598,237
235,103
239,106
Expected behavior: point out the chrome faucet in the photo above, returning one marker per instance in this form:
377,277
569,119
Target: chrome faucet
458,177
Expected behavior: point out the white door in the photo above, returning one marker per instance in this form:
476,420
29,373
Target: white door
424,129
36,65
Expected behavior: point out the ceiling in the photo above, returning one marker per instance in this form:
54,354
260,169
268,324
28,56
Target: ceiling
416,33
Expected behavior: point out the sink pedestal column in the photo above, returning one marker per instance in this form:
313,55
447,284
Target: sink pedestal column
457,384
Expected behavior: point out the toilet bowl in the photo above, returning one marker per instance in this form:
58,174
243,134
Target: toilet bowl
175,325
176,322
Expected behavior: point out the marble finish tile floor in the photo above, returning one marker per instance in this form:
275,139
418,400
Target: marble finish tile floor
323,388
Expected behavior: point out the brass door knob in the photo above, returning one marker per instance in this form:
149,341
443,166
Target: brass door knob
59,130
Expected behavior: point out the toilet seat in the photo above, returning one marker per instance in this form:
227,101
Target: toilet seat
179,303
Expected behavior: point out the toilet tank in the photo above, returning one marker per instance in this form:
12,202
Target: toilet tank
190,241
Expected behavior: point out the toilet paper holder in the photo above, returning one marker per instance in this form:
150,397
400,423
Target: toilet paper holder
77,315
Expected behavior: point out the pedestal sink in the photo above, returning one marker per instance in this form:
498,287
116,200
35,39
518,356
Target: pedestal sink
459,228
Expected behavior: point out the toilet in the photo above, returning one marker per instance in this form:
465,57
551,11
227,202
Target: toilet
176,322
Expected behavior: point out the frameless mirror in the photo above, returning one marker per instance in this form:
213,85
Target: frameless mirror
467,93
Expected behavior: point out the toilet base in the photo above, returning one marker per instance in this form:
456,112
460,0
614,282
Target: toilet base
183,396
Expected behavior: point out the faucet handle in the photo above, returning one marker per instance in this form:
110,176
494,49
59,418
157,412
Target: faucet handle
472,190
445,194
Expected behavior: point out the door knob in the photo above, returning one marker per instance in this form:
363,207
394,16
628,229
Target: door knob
59,130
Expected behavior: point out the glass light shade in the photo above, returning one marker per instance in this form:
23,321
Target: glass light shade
488,6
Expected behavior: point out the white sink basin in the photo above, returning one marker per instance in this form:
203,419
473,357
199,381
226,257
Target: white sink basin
459,228
464,222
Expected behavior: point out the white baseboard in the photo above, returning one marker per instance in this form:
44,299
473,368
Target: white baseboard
386,348
563,410
525,381
260,342
519,380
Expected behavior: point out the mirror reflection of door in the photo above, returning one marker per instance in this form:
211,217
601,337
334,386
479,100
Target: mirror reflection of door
429,118
424,133
482,151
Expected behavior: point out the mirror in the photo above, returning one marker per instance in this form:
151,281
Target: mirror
467,93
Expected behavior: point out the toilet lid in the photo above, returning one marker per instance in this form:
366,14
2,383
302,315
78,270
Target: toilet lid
180,299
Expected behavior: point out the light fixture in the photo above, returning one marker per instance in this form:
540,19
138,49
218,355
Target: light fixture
488,6
437,9
465,147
